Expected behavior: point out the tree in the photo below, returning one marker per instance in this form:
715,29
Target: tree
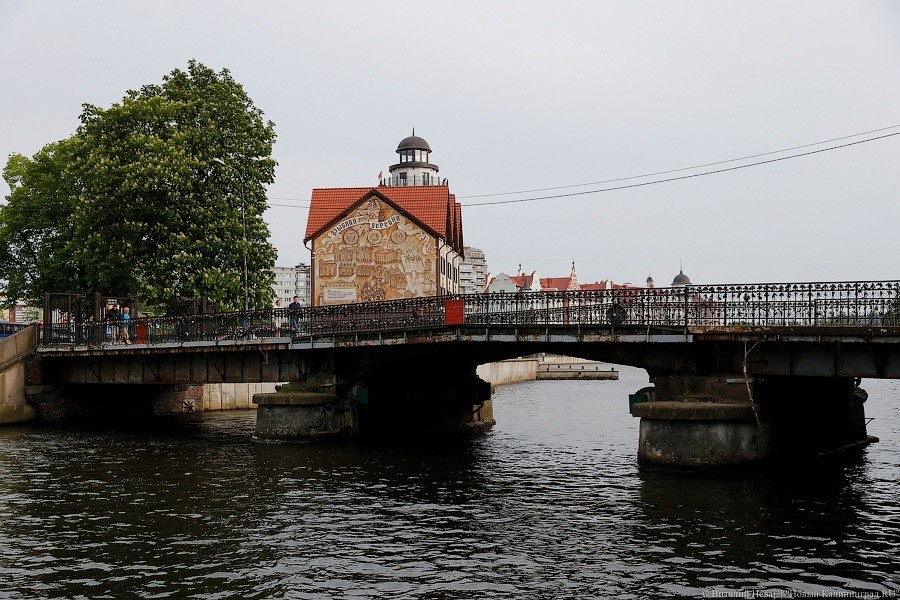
144,205
36,236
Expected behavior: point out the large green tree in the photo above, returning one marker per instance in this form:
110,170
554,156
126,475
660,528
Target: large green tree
160,196
36,236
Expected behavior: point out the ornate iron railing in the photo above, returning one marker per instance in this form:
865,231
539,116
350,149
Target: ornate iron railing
848,304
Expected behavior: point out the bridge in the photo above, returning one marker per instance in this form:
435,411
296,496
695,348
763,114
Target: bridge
740,373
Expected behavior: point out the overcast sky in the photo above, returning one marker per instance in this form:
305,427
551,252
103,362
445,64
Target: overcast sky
515,96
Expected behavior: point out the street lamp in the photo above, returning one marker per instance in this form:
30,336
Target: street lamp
243,228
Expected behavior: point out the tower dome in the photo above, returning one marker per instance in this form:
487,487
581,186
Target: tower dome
413,142
415,166
681,280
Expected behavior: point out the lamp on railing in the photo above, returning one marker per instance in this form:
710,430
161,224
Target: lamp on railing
243,229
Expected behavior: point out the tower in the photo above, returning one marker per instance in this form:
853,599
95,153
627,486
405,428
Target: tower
681,280
414,167
402,239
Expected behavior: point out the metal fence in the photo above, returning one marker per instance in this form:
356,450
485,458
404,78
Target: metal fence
849,304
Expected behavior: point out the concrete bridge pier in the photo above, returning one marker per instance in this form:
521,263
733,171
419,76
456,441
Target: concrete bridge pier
726,421
374,400
425,399
316,409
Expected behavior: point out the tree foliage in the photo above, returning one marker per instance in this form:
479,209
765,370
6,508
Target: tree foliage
35,239
160,196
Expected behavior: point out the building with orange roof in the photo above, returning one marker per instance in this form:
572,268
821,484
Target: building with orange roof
401,239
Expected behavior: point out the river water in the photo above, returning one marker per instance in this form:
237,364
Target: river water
550,504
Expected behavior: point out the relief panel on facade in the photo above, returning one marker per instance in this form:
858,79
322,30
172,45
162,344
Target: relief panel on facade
375,253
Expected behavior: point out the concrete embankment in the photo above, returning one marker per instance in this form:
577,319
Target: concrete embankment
508,371
13,353
575,370
544,367
233,396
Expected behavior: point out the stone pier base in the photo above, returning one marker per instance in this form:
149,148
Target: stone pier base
700,433
303,413
419,403
711,421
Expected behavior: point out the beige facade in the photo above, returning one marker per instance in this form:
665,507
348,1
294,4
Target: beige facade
375,252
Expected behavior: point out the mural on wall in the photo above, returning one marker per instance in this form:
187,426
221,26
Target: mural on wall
375,253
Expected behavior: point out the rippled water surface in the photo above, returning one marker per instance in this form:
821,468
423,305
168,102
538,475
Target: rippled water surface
550,504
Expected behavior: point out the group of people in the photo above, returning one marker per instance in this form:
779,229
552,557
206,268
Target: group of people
278,317
118,324
117,321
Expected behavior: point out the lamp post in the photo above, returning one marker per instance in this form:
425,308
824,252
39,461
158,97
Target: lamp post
243,228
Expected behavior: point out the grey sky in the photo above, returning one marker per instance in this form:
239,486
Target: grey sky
525,95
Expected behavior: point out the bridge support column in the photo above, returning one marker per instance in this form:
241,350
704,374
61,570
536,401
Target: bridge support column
425,400
313,410
718,421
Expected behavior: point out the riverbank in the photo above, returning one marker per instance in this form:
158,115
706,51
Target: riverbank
544,366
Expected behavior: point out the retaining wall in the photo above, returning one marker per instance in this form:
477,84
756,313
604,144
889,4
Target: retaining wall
14,353
508,371
233,396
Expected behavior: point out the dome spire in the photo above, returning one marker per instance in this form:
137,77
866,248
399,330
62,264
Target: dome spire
681,279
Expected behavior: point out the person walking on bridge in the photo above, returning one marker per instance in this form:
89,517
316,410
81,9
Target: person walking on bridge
112,322
277,318
126,323
294,308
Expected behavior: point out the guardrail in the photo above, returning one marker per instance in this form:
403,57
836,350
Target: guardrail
847,304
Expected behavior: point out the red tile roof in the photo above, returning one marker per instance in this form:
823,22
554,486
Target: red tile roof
522,281
433,206
556,283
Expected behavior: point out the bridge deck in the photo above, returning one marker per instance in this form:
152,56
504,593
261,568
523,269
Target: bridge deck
836,329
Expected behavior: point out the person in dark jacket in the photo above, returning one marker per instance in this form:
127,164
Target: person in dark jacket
113,315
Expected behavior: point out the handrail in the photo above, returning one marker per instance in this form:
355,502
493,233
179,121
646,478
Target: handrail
845,304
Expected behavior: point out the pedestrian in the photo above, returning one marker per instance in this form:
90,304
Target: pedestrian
112,322
277,318
126,324
295,307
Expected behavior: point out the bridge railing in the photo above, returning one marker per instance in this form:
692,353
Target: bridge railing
861,304
853,304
